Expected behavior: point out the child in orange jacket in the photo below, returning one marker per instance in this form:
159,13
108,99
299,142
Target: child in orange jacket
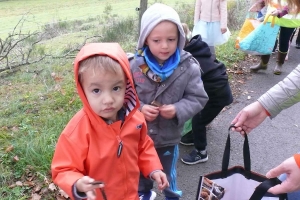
105,145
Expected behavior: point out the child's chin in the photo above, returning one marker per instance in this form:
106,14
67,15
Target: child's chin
109,117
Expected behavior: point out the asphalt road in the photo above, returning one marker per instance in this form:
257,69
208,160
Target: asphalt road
270,143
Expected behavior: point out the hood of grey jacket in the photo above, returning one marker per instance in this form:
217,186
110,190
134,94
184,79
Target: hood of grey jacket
154,15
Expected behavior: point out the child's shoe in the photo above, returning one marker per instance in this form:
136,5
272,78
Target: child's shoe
187,139
195,157
147,195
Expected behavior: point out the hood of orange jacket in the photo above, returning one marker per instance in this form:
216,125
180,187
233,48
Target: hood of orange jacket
114,51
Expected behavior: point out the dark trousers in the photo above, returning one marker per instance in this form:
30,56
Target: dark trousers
298,37
168,157
284,38
201,120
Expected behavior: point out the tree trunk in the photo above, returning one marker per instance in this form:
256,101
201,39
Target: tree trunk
143,8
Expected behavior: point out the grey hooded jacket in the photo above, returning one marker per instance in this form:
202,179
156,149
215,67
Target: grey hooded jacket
184,88
283,95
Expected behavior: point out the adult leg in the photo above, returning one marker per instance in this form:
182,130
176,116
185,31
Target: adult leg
298,39
275,46
284,40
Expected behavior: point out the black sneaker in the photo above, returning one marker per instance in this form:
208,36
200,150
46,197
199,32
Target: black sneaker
195,157
297,46
187,139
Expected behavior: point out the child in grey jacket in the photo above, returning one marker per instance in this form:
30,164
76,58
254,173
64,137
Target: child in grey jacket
169,86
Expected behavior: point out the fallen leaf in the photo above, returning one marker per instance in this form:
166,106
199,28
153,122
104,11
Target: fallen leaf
15,129
60,198
52,187
28,183
58,78
9,149
16,158
62,193
12,186
37,188
35,197
19,183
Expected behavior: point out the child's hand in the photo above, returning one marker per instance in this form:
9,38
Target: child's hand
150,112
161,180
223,30
167,111
85,185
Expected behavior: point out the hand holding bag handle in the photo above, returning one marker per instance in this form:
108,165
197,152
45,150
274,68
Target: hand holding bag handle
246,155
261,189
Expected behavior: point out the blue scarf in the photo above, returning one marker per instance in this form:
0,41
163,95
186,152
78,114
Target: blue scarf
153,69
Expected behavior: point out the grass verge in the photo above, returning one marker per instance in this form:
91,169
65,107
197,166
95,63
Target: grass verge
38,100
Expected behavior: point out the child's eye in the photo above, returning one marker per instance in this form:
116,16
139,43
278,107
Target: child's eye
96,91
117,88
171,40
155,41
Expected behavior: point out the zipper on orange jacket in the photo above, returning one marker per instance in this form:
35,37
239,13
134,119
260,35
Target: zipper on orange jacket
120,148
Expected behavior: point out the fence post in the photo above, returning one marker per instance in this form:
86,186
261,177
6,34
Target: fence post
142,9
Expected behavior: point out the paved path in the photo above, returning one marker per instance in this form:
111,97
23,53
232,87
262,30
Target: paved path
270,143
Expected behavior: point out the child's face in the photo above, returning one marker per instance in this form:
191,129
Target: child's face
105,91
163,40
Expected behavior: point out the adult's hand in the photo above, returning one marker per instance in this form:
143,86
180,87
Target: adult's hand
274,13
292,182
249,118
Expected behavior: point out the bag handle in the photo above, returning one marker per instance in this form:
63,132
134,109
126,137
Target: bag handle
246,155
266,20
262,189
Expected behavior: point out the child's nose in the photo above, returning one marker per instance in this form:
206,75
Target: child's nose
164,44
108,99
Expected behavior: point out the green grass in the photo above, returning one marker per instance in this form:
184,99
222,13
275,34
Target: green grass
38,100
40,12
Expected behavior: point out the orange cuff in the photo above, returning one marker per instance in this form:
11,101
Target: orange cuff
297,159
267,113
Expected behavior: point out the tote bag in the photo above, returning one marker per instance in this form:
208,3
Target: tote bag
262,39
249,25
239,183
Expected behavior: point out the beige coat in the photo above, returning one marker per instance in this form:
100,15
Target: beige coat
211,11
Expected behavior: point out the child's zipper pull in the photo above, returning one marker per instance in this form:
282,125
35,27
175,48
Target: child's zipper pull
120,149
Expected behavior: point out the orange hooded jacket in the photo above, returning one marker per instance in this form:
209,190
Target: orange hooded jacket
88,145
